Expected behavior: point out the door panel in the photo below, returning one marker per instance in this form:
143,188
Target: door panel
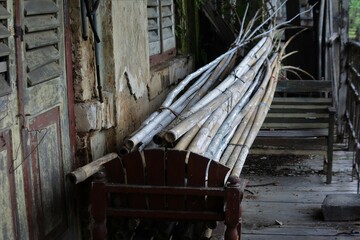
48,174
7,183
44,94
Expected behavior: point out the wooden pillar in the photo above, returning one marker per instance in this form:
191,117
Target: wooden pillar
344,27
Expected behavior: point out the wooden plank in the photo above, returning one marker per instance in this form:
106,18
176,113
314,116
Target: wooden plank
298,115
279,237
4,50
196,174
40,39
294,125
313,108
41,23
217,174
40,7
286,151
175,165
293,143
294,133
5,88
295,200
115,174
306,86
4,14
44,74
39,57
288,119
291,230
155,175
3,67
302,101
133,164
4,32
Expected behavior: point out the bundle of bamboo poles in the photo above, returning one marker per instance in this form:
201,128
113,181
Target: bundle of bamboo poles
218,110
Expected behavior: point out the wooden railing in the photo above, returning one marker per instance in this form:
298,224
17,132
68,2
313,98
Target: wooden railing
352,112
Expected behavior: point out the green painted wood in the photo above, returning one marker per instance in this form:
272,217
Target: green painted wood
4,32
39,57
5,88
44,74
40,7
40,39
4,14
4,50
41,23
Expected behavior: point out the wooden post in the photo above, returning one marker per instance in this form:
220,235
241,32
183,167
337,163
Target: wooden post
234,193
330,145
98,207
344,27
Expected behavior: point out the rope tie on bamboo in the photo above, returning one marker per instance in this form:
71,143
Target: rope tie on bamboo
171,110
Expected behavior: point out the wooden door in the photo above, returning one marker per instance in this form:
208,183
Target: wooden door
44,107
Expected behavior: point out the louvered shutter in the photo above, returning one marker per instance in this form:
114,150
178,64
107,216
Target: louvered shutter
161,26
4,49
168,26
154,27
42,55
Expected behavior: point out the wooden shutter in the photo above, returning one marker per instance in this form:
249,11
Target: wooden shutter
41,41
168,26
154,27
161,26
4,49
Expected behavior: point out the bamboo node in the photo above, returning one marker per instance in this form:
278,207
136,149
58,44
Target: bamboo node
237,77
171,110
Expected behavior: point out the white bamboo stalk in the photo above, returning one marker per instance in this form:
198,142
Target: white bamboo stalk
245,65
188,137
235,139
223,145
239,145
200,141
173,94
256,55
232,93
163,119
230,122
250,105
259,119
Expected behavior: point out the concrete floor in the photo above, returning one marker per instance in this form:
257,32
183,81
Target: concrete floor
284,197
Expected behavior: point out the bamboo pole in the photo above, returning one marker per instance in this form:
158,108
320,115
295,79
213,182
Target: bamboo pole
208,130
231,161
188,137
232,119
234,92
259,119
82,173
235,139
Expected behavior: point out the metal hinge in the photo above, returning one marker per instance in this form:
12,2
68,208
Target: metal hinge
19,32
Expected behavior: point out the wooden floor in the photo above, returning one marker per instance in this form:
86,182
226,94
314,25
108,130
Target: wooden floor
283,201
